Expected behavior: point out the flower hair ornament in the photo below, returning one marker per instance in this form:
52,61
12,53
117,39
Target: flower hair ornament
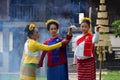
50,21
31,26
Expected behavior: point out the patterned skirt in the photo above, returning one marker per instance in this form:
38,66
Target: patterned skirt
28,72
86,69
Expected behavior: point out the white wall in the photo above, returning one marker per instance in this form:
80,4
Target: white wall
115,41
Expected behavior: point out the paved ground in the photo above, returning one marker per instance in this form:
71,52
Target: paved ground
73,72
73,76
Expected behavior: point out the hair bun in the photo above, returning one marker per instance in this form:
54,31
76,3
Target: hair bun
29,27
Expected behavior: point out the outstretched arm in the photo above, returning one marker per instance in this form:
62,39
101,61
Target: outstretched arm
68,36
70,31
96,35
38,46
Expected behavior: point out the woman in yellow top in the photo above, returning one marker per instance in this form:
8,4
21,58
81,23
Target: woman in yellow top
31,53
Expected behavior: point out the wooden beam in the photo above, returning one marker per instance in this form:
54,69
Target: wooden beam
102,1
102,14
104,37
22,24
102,28
102,22
102,7
103,43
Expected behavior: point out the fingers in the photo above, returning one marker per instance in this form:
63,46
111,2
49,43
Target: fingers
65,41
97,28
70,31
73,26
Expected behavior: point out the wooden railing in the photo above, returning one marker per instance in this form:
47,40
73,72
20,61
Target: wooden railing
26,12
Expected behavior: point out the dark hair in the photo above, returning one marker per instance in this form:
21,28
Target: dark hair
48,26
87,22
28,32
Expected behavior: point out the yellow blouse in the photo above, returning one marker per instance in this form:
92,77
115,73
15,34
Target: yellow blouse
34,46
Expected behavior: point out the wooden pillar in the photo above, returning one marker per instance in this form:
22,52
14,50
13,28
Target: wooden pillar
5,49
102,21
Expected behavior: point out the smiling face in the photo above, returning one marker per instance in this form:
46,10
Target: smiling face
84,27
35,34
53,29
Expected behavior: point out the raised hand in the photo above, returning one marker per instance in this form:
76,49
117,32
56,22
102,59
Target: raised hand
97,28
70,30
65,42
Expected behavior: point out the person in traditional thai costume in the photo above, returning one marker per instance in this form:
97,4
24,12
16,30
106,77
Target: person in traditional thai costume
57,68
84,52
31,53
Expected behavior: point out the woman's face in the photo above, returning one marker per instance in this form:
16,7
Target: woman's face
35,35
53,29
84,27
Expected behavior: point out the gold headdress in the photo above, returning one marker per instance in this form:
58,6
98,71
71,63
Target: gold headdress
31,26
88,19
51,20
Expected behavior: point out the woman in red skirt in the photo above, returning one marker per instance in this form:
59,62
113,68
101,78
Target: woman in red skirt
84,56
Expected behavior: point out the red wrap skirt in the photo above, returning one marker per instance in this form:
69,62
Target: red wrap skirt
86,69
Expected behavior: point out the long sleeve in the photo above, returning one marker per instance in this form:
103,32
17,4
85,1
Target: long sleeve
68,37
95,37
36,46
44,47
40,64
75,59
